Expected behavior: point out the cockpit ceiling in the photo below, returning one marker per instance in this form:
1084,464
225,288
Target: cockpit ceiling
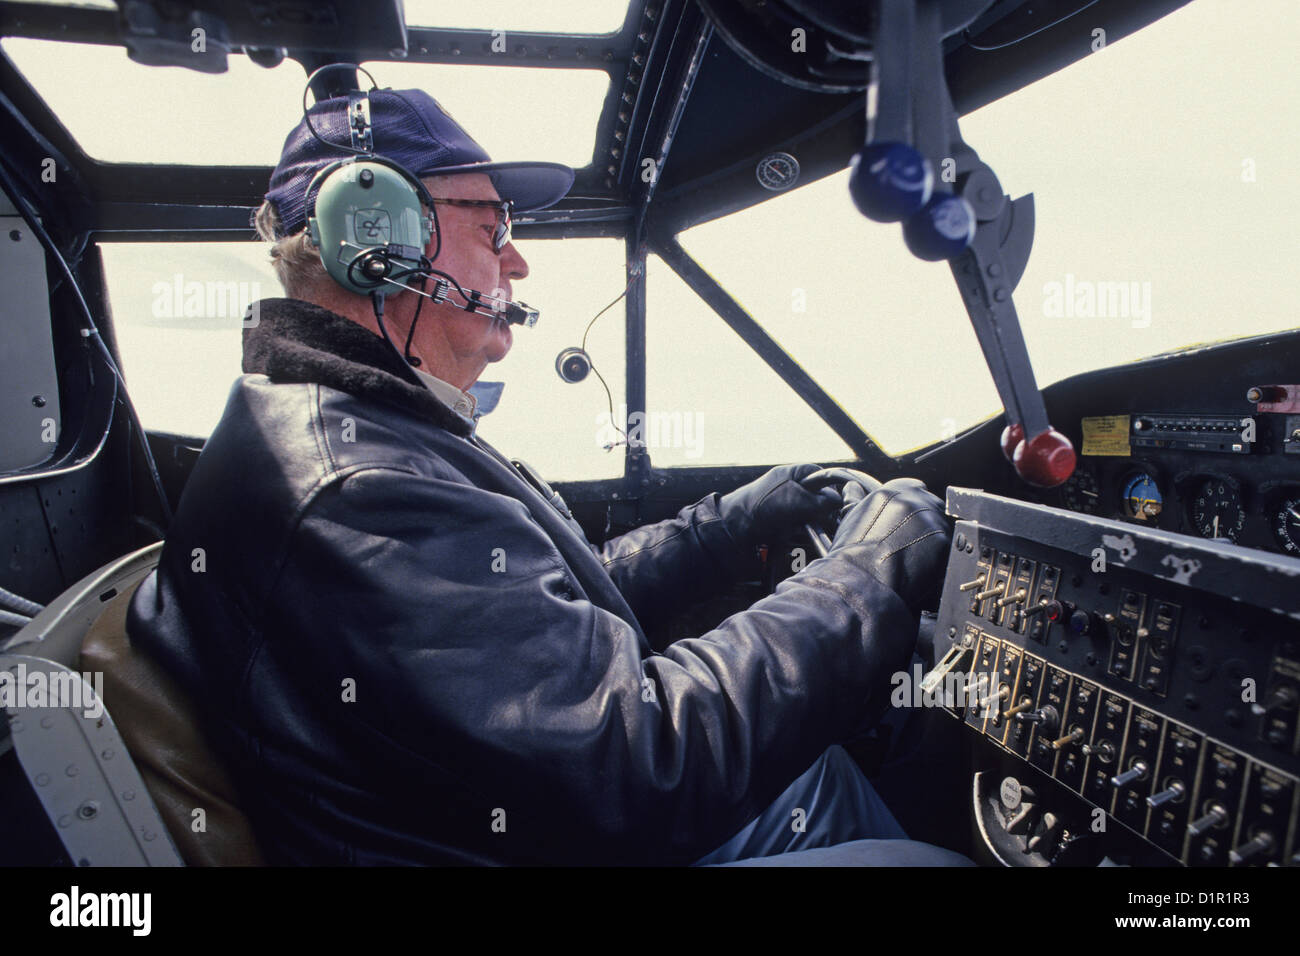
599,93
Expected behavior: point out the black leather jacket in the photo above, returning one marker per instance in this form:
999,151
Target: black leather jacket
408,655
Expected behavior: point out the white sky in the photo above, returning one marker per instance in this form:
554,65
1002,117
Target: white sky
1140,157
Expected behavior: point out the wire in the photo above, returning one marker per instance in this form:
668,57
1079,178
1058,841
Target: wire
90,332
1002,46
10,619
410,334
19,604
307,116
626,289
608,395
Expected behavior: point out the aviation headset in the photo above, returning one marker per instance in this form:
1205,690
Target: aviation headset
366,216
371,219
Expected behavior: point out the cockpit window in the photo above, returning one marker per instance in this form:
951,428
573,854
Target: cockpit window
1164,220
141,114
515,113
120,111
178,314
710,400
554,16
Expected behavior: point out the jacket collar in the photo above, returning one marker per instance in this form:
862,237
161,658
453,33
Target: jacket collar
289,340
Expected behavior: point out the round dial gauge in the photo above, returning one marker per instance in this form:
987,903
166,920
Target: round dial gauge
1216,510
1081,492
1286,525
1142,497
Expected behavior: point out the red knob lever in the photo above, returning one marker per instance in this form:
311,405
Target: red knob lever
1012,436
1046,460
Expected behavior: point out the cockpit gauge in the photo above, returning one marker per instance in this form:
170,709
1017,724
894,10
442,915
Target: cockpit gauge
1216,509
1082,492
1142,497
1286,524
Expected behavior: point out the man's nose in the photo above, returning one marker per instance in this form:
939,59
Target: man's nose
513,265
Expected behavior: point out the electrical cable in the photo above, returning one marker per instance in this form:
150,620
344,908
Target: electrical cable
90,332
19,604
307,116
608,395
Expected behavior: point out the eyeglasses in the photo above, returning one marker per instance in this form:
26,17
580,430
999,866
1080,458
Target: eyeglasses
503,207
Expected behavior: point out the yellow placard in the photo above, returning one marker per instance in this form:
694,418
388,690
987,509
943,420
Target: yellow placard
1106,435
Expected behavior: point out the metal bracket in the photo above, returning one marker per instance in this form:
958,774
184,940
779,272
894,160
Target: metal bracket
79,767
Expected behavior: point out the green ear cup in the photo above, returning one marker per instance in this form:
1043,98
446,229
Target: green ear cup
360,205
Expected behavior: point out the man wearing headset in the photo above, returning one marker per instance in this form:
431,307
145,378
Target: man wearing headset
407,652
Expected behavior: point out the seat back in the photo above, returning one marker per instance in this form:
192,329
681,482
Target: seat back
191,788
154,721
57,632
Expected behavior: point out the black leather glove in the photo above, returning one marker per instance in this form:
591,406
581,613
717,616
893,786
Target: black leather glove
901,536
775,505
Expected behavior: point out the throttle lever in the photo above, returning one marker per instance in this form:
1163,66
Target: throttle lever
985,237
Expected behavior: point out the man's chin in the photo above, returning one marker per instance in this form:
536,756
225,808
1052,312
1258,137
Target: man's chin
504,335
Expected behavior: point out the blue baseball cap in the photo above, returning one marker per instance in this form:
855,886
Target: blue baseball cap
409,127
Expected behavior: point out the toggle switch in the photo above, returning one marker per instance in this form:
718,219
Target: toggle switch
1052,610
1103,750
1046,718
1136,772
1171,794
1016,598
972,585
1261,845
1025,704
1072,737
1215,816
989,592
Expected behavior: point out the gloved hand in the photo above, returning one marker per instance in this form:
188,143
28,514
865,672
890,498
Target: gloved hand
901,535
775,505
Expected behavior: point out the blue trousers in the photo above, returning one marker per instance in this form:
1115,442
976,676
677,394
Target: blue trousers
829,816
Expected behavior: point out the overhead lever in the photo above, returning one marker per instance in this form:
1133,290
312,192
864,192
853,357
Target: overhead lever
985,237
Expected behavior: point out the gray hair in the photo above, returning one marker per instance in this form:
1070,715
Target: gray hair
295,258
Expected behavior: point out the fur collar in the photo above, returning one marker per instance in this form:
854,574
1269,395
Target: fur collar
296,341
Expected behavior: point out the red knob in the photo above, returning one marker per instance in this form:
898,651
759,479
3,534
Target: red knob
1046,460
1012,436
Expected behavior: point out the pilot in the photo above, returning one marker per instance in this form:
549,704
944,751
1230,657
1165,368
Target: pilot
408,653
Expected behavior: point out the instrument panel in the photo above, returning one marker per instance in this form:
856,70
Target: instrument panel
1233,478
1152,679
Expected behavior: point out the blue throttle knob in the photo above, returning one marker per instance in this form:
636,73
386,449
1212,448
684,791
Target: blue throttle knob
889,181
942,230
